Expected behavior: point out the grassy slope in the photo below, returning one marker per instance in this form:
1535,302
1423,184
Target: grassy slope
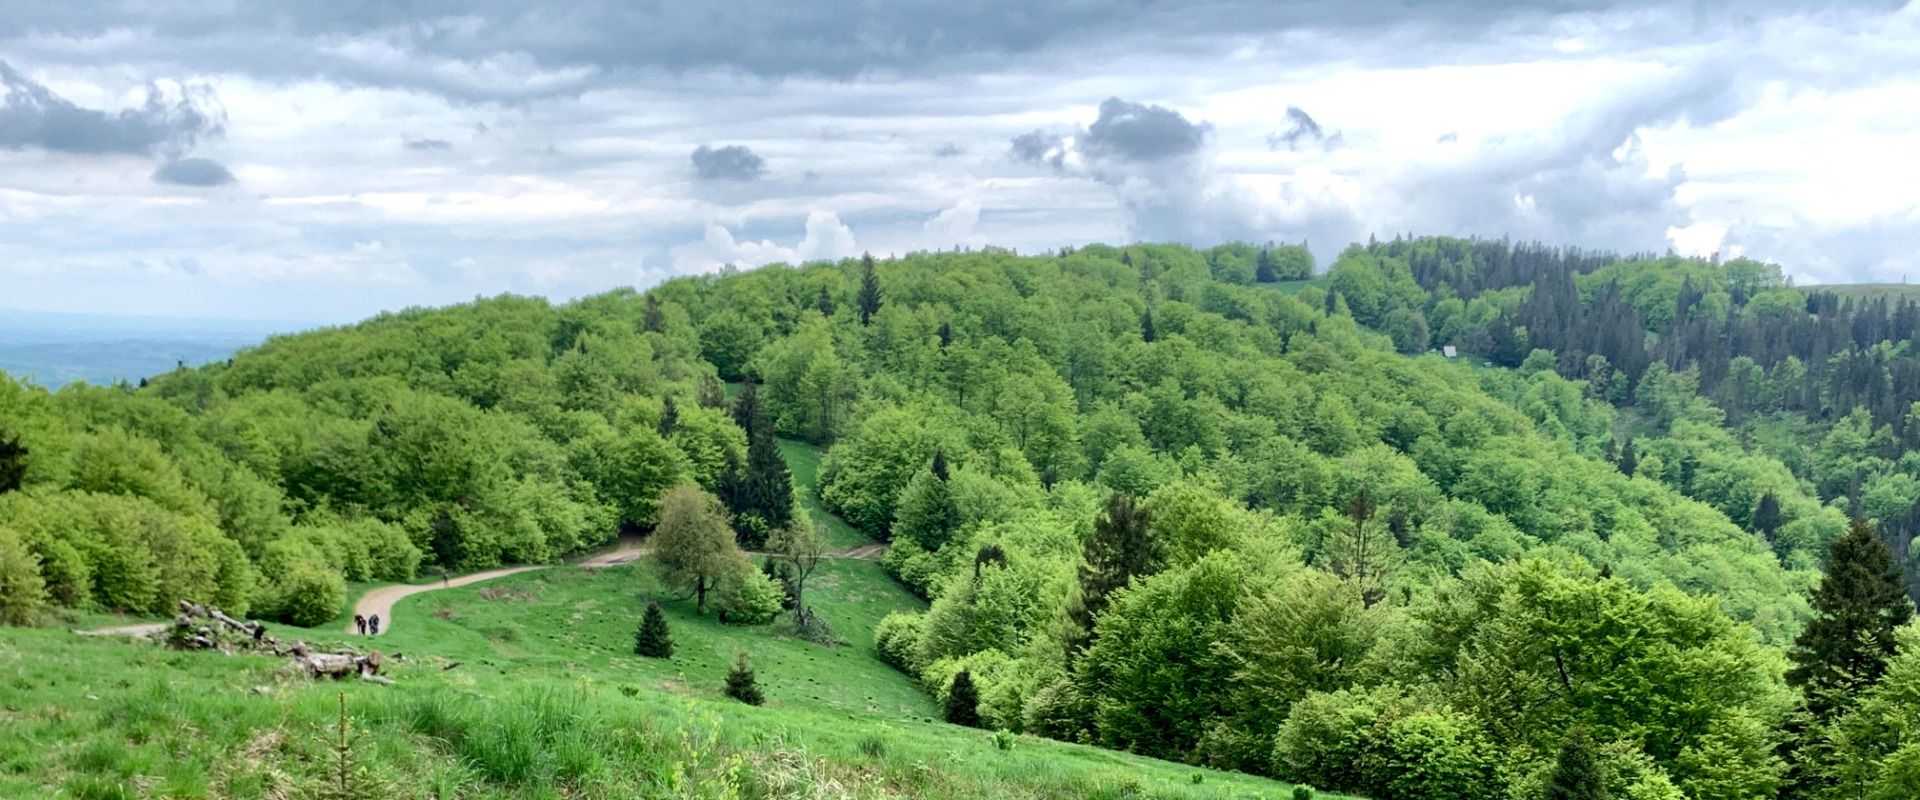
803,460
547,701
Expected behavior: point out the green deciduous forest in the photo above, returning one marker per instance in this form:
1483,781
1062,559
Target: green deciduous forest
1650,535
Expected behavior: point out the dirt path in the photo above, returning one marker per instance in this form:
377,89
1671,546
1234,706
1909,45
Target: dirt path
143,629
380,601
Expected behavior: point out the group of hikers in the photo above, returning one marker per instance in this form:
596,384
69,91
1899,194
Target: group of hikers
368,627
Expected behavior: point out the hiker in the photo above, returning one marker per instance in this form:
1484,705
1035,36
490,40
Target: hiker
361,623
373,626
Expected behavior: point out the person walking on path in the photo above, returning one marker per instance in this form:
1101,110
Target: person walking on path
361,623
373,626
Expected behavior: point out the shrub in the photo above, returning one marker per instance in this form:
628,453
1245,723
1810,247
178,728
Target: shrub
741,685
1302,793
750,598
897,637
309,595
653,640
22,592
1003,740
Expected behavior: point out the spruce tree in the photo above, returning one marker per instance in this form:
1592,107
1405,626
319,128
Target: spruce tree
1120,549
1629,461
1857,607
825,303
1576,772
1767,518
869,290
946,334
1147,332
13,463
741,685
747,411
669,417
1264,272
653,640
652,320
962,706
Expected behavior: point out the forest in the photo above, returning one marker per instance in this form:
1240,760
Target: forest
1649,536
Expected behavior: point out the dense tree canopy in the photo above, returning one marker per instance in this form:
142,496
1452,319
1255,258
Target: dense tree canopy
1197,504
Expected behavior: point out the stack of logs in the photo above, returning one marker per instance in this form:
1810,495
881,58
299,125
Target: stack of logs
199,627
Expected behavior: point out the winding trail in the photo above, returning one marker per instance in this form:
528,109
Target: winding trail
380,601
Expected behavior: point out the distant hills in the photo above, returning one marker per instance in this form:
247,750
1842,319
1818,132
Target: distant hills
53,349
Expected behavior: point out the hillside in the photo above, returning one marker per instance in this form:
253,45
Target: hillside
1191,505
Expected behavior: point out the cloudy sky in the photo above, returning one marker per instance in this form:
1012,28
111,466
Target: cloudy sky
322,161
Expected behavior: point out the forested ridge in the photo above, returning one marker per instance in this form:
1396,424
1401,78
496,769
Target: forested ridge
1186,503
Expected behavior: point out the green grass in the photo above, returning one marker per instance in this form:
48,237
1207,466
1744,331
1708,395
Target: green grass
803,460
579,623
546,702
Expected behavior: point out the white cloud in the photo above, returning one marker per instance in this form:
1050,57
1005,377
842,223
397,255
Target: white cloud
826,238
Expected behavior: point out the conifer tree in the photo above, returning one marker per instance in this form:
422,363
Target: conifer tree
652,320
1120,549
13,463
1147,332
1767,518
869,290
669,417
962,706
747,411
1263,272
1629,461
1857,607
1576,772
741,685
653,640
825,303
946,334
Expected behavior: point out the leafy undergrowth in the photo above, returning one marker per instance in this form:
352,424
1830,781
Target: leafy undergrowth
99,718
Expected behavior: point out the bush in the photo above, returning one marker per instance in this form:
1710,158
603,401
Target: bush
653,640
750,598
309,595
1302,793
1383,744
22,592
897,638
741,685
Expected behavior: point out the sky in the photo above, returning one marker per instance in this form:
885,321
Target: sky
320,162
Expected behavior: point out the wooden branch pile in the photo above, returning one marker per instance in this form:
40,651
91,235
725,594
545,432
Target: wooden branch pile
199,627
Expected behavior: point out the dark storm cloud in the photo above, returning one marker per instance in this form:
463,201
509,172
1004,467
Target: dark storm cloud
1301,128
506,49
1039,147
949,150
1129,131
730,163
33,116
193,172
427,144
